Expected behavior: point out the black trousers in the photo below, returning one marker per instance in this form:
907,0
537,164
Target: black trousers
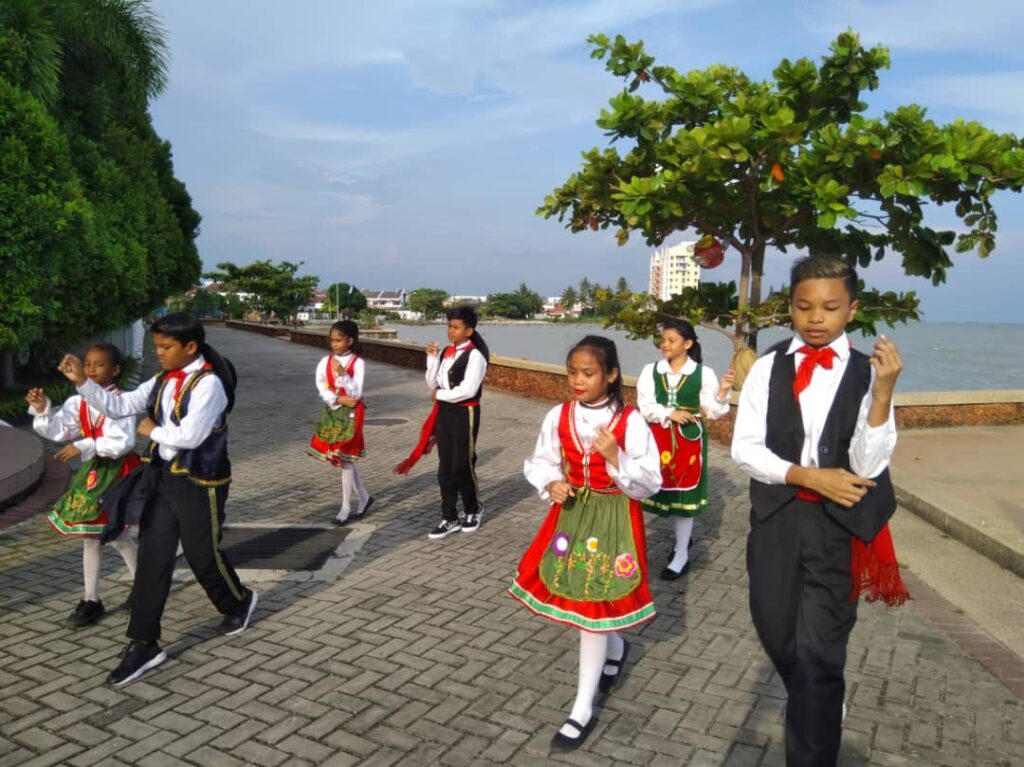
798,562
182,509
456,430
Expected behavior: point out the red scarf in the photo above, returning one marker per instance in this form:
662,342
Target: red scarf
874,570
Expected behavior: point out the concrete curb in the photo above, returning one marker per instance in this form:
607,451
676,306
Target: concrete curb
985,544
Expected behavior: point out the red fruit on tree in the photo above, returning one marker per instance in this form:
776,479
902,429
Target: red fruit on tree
777,173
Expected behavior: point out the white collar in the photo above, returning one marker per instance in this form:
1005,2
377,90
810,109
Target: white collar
662,366
194,365
841,345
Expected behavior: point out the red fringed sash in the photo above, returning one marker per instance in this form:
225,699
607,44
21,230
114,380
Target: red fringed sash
424,445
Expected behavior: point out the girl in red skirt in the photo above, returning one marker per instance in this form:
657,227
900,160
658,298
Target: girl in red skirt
594,460
338,438
104,445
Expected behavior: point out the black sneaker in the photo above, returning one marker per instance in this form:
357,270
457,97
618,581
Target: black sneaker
445,528
472,522
233,625
86,614
136,659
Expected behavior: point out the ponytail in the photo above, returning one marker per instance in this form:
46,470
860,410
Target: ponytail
224,370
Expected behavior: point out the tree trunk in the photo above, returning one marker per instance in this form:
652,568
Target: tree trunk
7,370
757,271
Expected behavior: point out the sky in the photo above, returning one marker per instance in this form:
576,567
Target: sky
407,143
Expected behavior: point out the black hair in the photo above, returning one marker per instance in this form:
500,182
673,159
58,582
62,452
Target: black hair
607,356
685,329
114,354
467,314
184,328
349,329
824,268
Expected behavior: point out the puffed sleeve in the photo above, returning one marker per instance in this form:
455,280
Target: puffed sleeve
749,448
871,446
544,465
58,424
433,364
639,471
354,384
646,400
327,394
118,438
713,407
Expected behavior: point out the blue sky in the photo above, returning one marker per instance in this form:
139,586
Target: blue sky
407,143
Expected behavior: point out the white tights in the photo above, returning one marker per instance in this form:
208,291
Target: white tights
684,527
92,553
351,480
595,649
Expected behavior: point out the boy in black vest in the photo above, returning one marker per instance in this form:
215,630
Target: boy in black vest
815,432
182,486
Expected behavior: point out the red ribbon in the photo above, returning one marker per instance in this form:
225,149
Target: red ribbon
425,443
812,358
178,376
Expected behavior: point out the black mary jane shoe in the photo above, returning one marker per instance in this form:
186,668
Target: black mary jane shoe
607,681
564,743
366,508
668,574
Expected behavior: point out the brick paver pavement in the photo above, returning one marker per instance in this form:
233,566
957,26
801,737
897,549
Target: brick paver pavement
415,656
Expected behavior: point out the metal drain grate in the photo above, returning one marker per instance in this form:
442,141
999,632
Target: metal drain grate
385,421
281,548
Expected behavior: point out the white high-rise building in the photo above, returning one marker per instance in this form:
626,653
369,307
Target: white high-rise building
673,268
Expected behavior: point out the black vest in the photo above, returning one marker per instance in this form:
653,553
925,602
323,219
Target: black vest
458,371
206,465
785,437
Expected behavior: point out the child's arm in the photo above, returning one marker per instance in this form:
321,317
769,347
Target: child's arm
476,368
543,467
714,394
118,438
205,407
875,436
637,468
111,404
354,385
57,425
749,450
647,402
433,363
327,394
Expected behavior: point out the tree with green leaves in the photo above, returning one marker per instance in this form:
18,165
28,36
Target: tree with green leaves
344,299
769,167
428,301
272,289
519,305
569,298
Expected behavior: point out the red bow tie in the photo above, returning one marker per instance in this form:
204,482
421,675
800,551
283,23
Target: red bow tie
812,358
449,352
179,377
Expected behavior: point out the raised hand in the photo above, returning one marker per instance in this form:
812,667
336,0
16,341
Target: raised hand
606,445
726,383
72,369
36,399
433,348
886,360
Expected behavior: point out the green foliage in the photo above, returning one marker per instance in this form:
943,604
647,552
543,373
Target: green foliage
428,301
271,289
347,299
787,163
520,305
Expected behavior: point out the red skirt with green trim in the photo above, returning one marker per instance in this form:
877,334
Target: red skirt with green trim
339,435
536,577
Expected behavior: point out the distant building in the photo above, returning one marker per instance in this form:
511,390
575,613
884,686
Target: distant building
673,268
386,300
465,300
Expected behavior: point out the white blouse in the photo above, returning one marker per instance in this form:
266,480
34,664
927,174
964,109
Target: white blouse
639,472
870,448
712,407
206,407
65,425
353,384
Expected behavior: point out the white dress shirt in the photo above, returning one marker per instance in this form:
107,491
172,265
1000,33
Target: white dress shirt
65,425
870,449
352,384
437,374
648,403
206,406
639,472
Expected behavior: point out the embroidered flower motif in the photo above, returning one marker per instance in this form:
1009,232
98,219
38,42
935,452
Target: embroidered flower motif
666,456
693,459
90,480
560,545
625,565
591,545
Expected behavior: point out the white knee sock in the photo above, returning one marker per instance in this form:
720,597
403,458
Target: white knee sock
91,568
593,651
347,485
616,647
360,487
128,549
684,527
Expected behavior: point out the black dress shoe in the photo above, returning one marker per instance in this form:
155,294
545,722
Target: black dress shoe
607,681
362,512
564,743
668,574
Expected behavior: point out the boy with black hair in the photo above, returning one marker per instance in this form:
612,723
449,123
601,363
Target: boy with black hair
815,432
181,489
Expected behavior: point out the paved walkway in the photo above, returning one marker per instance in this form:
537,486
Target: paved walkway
414,655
